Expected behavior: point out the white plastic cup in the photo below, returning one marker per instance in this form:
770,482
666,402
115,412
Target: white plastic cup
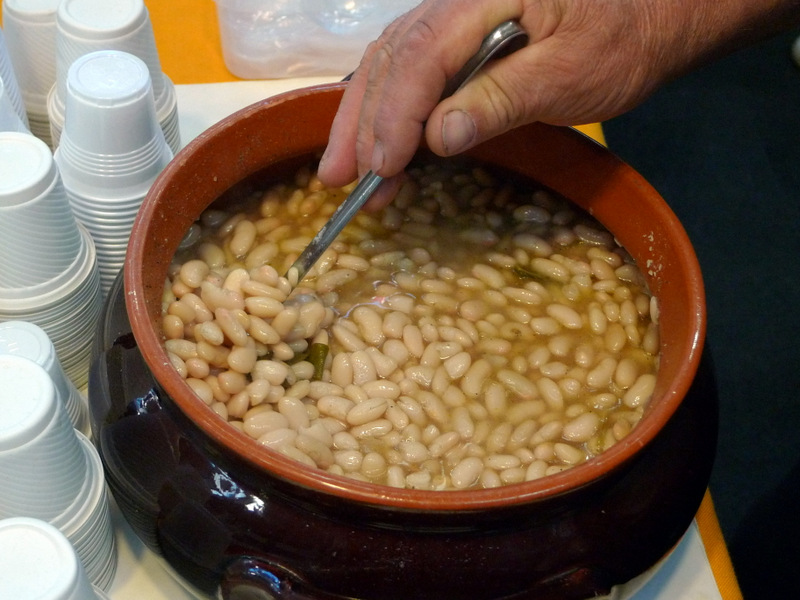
9,77
68,313
55,117
48,263
167,112
30,29
112,144
9,119
85,26
30,341
42,464
87,522
39,233
39,125
111,150
37,562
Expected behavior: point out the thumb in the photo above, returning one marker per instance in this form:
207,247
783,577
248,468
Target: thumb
490,104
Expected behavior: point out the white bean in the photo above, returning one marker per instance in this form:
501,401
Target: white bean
366,411
382,388
641,391
370,325
363,367
466,472
373,429
257,425
295,411
517,384
335,406
473,380
582,428
601,375
565,315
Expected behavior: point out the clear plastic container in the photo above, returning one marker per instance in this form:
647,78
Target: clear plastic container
273,39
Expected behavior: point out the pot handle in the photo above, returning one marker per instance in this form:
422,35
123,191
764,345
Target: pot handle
251,578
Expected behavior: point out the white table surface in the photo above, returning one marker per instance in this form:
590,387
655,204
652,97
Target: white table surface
685,574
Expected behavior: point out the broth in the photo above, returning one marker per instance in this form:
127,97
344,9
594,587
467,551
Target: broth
480,331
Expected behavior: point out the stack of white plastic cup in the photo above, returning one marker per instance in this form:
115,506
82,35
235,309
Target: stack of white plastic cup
37,562
50,471
30,28
10,83
84,26
30,341
111,150
87,523
48,264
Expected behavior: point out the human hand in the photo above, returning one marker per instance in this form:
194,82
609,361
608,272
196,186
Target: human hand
587,61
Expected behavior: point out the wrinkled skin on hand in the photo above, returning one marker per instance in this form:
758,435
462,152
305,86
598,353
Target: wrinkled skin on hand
586,61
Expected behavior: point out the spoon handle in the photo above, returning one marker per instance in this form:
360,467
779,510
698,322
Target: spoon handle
504,39
340,217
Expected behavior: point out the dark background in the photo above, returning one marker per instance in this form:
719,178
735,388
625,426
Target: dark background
722,145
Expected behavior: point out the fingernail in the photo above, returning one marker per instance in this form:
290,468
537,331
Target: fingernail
458,131
377,156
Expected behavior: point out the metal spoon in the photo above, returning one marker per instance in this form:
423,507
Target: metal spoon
505,39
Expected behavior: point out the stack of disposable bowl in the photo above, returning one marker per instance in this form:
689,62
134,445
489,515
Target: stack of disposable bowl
84,26
10,96
30,28
37,562
51,471
111,150
48,264
30,341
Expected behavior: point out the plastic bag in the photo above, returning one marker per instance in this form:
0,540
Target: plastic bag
272,39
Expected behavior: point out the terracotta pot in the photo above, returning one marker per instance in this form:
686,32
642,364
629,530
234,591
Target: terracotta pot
229,515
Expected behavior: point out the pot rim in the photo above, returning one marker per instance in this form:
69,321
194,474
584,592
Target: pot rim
289,470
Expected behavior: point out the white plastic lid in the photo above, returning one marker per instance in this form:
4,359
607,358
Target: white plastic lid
27,402
37,562
101,19
27,169
28,340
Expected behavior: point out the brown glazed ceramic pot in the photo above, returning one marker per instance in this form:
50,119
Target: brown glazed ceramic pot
239,522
